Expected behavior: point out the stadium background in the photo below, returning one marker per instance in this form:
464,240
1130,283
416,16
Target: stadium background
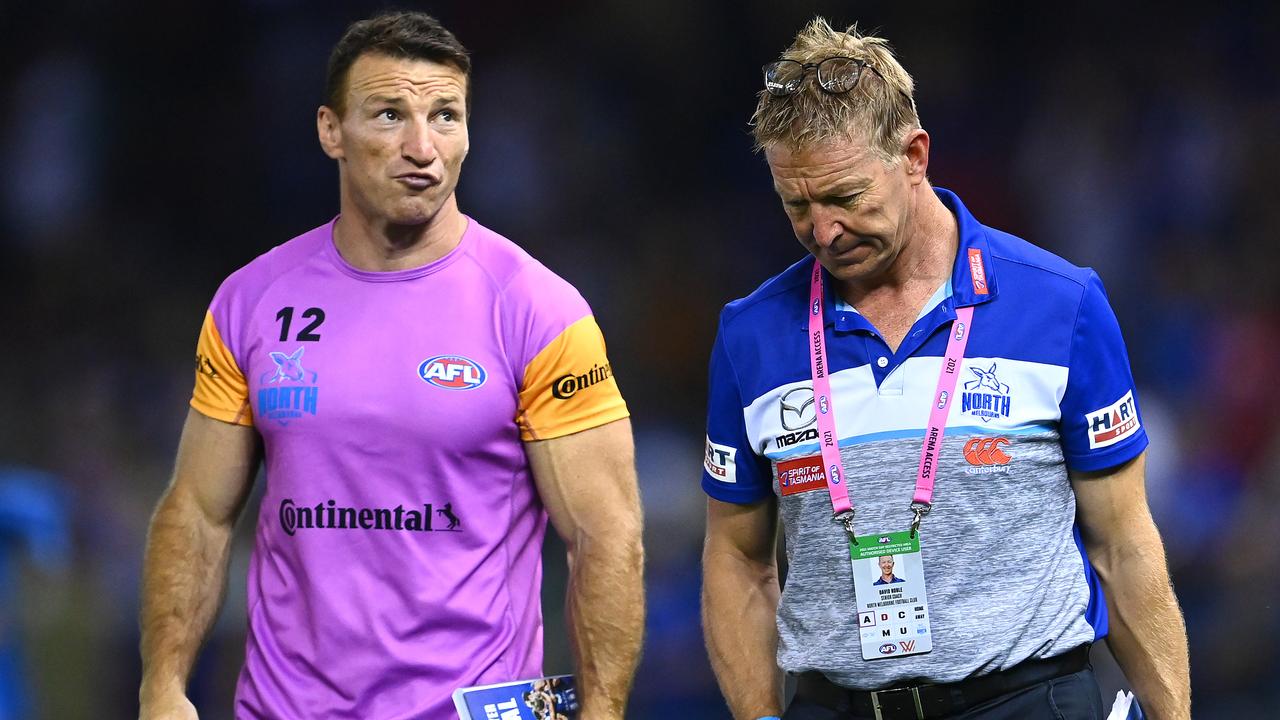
149,150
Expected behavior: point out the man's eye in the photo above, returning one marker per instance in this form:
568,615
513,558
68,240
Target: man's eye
846,199
389,114
447,116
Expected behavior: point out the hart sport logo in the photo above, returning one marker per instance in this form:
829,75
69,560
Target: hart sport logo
985,396
452,372
1109,425
719,462
288,392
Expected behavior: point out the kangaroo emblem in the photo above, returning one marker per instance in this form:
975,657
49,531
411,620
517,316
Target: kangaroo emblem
288,367
986,379
447,513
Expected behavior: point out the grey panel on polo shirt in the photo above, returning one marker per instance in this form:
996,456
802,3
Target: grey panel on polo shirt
1003,574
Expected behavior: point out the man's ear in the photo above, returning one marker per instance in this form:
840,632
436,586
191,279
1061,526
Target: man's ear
329,129
915,155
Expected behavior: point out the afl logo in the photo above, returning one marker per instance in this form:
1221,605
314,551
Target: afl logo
452,372
888,648
817,306
835,474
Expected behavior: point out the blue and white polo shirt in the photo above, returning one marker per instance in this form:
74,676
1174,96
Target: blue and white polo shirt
1045,387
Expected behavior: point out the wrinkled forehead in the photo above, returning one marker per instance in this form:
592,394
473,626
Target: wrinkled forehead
819,167
375,75
820,159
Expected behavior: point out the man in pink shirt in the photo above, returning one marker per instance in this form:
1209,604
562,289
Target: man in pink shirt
423,394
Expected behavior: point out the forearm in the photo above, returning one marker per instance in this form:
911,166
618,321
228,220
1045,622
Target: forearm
1147,633
605,608
183,583
739,602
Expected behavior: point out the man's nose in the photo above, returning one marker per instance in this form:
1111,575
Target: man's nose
826,226
419,145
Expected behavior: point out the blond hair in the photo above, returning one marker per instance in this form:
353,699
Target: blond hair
879,109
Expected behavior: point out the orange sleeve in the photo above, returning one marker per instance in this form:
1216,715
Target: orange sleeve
569,386
221,391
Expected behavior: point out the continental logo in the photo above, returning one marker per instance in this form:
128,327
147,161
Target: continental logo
332,516
204,366
566,386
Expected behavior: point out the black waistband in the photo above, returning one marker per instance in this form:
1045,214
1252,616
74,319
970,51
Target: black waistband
924,702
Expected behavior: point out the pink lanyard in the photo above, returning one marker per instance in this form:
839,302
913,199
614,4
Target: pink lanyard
837,483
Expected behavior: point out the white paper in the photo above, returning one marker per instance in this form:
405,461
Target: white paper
1120,710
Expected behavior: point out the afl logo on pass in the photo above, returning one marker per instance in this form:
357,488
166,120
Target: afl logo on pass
452,372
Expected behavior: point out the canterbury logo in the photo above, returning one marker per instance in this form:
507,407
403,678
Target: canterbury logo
986,451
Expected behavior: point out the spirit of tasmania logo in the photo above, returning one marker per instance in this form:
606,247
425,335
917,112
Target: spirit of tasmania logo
985,396
289,391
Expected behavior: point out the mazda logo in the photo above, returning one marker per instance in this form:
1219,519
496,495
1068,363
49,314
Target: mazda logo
796,409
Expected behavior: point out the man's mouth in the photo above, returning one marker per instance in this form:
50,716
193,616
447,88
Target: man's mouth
418,181
858,247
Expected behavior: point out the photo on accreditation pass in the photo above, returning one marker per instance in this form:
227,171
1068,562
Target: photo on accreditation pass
880,570
888,583
549,698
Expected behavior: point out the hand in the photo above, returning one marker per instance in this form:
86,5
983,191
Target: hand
172,707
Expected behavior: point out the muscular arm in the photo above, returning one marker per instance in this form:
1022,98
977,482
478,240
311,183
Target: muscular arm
739,600
587,482
185,570
1147,634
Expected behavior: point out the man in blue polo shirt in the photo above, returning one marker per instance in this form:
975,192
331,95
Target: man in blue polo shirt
932,388
886,571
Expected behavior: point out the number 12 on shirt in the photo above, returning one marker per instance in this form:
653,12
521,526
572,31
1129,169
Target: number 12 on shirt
888,582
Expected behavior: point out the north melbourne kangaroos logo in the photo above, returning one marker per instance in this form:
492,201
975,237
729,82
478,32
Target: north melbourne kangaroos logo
289,391
985,396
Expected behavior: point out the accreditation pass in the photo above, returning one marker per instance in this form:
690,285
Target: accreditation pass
888,582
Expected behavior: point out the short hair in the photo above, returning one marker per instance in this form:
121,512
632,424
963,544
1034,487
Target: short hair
880,109
411,35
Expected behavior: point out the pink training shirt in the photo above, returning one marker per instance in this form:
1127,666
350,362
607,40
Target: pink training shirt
397,552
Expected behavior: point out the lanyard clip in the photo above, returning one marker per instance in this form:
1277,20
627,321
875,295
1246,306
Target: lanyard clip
846,519
920,510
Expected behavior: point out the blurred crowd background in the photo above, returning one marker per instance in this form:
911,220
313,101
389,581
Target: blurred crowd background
148,150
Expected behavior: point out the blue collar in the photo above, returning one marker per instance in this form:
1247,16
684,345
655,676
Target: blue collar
972,274
973,278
